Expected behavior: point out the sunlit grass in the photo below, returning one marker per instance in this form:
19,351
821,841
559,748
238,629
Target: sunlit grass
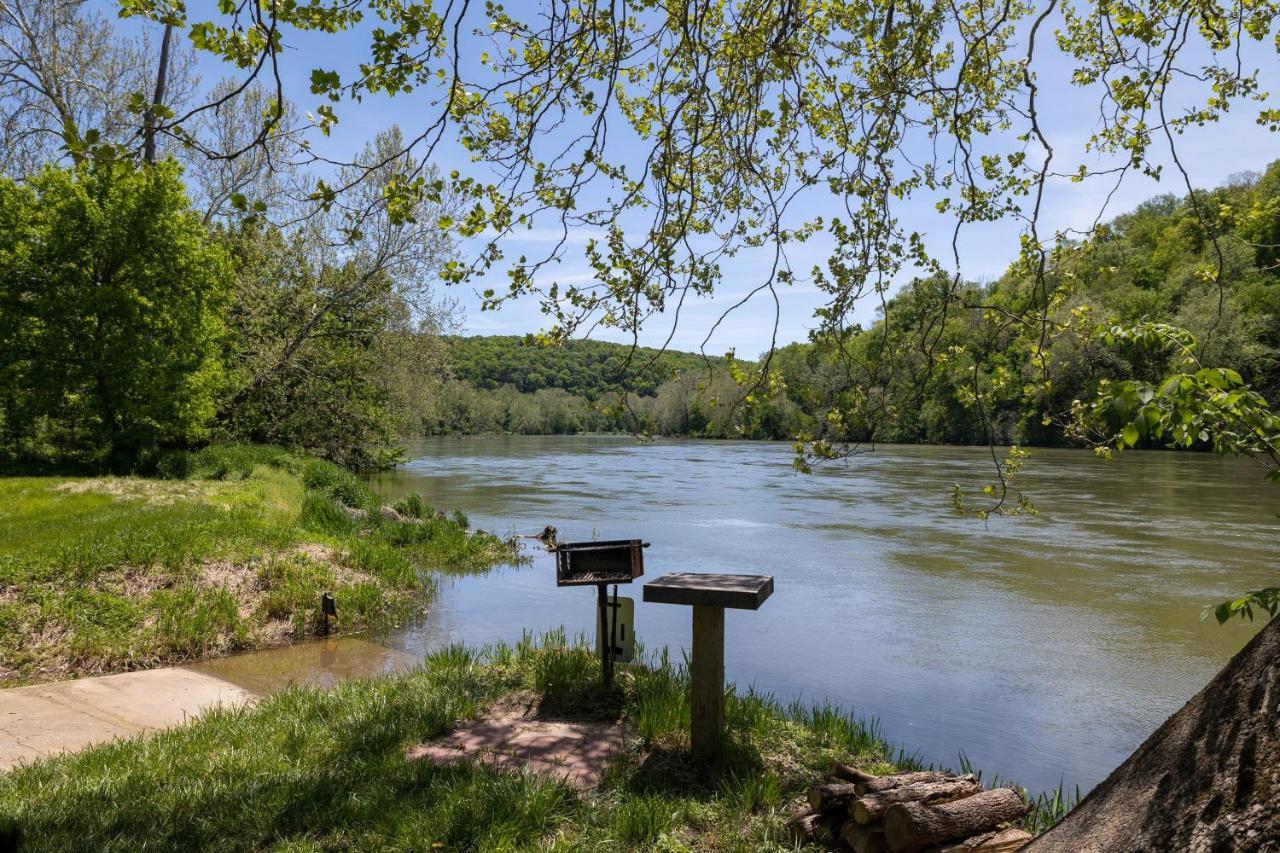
318,770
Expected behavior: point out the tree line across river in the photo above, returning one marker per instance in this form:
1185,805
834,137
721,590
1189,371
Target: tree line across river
130,322
917,376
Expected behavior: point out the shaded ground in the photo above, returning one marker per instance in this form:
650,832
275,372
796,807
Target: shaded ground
1207,781
513,736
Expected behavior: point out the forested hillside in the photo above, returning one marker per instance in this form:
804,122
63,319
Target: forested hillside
967,380
585,368
1156,264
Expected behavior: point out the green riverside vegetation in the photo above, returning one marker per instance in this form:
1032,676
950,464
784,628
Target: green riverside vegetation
915,380
310,770
224,549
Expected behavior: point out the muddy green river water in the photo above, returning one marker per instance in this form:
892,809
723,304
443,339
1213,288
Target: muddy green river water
1042,648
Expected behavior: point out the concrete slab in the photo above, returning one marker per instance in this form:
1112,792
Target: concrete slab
574,752
47,719
65,716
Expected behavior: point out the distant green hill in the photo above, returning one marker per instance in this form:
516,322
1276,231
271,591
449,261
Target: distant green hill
582,367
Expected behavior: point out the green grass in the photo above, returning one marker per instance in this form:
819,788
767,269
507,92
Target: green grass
325,770
220,550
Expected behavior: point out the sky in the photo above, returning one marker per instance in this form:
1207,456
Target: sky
1211,155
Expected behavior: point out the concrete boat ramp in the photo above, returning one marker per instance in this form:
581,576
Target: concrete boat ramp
66,716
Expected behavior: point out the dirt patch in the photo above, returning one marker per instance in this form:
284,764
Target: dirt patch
159,492
512,736
244,581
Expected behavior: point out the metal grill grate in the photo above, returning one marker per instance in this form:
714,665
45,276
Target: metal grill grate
592,563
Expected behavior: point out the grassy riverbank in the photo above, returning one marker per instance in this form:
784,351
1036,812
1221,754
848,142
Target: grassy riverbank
309,770
320,770
225,549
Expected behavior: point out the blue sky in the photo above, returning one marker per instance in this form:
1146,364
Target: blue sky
1211,154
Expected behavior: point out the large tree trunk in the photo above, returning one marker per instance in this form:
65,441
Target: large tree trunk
909,827
1206,780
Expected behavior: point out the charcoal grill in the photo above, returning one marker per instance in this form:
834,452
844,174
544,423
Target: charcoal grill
597,563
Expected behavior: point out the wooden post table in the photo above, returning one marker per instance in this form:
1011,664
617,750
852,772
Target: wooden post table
709,595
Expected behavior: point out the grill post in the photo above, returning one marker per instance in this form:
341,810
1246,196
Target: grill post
606,646
599,564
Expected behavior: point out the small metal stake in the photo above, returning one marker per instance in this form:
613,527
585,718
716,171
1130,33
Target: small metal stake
328,613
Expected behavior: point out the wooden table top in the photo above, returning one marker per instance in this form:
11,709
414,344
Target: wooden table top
740,592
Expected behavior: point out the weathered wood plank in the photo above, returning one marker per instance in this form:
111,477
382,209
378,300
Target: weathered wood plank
706,670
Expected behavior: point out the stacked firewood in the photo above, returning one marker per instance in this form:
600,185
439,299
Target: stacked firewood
925,810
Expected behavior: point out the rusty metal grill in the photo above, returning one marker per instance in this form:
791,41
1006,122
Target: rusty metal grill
592,563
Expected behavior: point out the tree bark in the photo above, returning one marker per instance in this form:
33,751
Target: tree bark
1205,780
849,773
1008,840
871,784
800,826
162,78
909,827
806,826
871,807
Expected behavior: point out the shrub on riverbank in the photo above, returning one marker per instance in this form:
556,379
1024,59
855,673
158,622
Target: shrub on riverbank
311,769
223,549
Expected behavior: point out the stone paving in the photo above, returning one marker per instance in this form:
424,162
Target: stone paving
515,739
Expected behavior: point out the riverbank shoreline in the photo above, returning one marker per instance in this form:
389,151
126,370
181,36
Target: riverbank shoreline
225,550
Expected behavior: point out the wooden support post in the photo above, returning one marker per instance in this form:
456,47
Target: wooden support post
707,673
708,595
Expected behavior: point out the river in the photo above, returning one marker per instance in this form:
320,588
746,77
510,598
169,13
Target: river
1045,648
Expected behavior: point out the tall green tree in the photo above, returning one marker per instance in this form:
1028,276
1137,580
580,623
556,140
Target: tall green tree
111,301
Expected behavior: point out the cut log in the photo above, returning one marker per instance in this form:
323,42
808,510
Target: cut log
871,807
897,780
863,839
808,825
849,773
830,796
909,827
1008,840
826,829
800,826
